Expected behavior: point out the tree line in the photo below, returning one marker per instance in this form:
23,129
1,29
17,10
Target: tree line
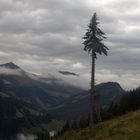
129,102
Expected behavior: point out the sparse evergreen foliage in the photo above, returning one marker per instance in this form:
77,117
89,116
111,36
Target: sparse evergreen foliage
43,135
84,122
94,38
93,44
74,125
66,127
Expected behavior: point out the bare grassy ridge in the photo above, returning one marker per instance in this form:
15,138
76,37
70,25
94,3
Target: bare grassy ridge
126,127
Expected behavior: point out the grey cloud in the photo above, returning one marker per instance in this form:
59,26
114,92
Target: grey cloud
45,36
68,73
7,71
124,5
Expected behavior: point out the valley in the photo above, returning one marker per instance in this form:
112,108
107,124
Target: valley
31,101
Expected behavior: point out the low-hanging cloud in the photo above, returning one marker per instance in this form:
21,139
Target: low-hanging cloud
25,137
6,71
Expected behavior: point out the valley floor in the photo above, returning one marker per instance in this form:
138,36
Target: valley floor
126,127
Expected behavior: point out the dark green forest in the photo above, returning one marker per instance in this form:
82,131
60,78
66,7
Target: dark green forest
17,116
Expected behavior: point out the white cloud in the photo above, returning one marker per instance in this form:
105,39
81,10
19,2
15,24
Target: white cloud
7,71
78,66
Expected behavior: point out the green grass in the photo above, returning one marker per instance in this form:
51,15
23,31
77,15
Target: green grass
126,127
3,94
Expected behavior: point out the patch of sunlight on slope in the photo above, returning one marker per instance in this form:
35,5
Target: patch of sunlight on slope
3,94
126,127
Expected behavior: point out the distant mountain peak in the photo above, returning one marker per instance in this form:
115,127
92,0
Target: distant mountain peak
110,84
10,65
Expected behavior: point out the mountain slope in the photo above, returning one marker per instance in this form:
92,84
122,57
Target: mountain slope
54,95
126,127
43,93
78,105
17,115
13,108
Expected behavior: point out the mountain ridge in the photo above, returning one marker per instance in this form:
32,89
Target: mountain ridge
54,95
78,105
10,65
32,88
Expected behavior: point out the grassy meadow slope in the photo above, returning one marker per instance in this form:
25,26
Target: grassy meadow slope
126,127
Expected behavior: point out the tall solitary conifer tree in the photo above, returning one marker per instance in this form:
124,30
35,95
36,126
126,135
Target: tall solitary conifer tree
93,44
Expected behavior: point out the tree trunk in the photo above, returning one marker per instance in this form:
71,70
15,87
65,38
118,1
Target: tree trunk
92,92
94,106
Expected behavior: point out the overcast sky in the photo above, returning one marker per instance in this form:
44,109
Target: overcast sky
45,36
